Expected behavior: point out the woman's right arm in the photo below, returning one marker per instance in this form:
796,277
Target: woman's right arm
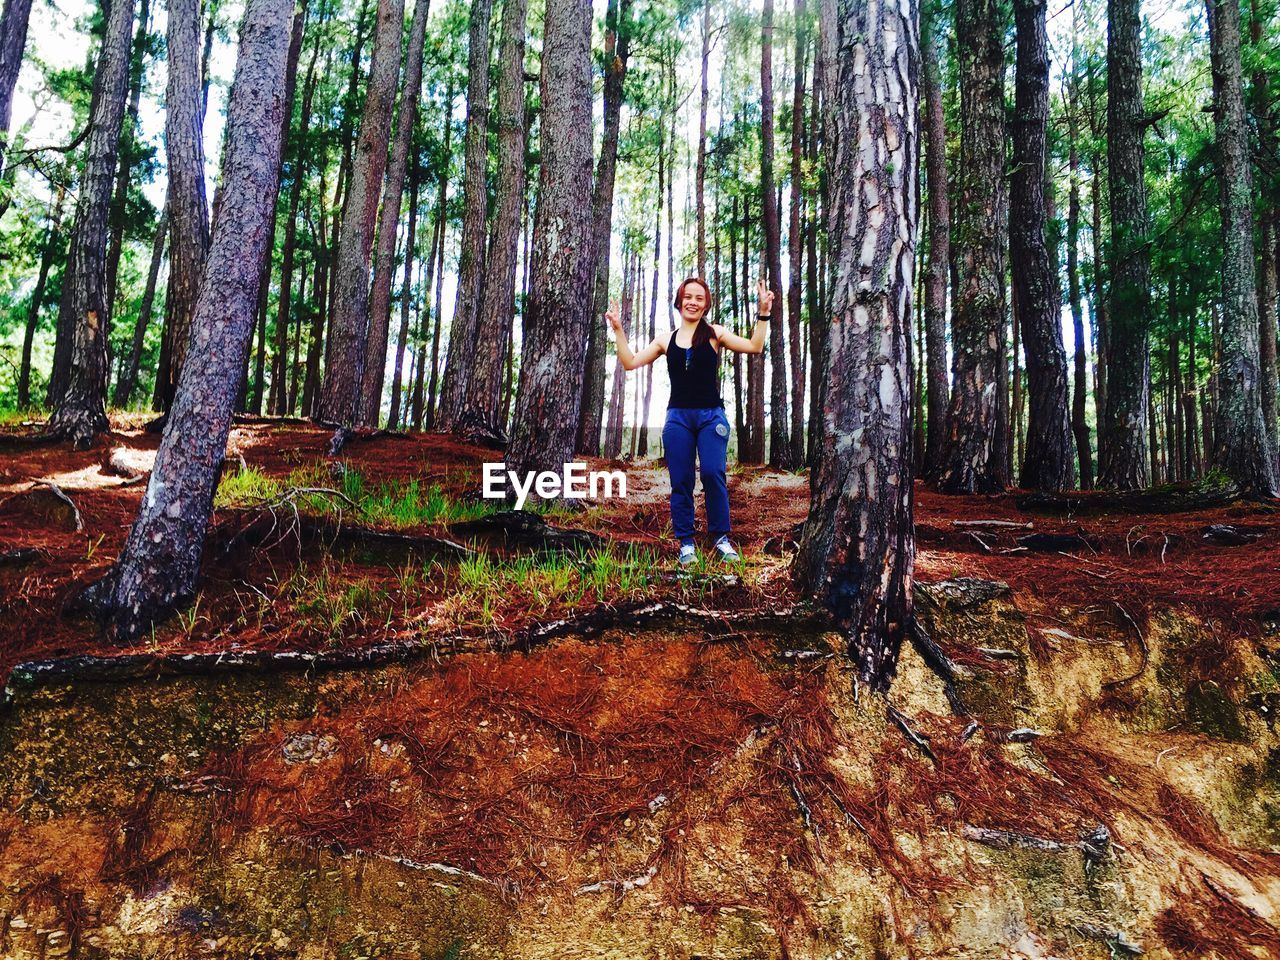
631,360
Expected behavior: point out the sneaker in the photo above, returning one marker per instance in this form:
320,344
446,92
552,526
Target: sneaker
688,554
725,549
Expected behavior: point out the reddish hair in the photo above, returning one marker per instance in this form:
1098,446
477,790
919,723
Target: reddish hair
703,333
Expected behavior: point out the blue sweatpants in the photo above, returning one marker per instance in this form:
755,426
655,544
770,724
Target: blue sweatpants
704,432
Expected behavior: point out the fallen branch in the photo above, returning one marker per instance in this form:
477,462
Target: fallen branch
993,524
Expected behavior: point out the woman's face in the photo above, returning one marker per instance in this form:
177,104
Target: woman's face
694,302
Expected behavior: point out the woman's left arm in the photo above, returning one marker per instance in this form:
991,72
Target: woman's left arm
756,344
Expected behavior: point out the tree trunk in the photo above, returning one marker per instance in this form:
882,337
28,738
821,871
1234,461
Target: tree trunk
550,390
700,178
817,208
13,40
432,393
320,294
158,568
1123,464
857,547
779,417
128,153
385,258
80,414
480,415
278,399
128,380
755,447
1243,448
618,397
974,452
1269,148
348,324
417,402
643,447
795,243
617,53
188,208
1080,388
1049,459
935,281
406,299
50,247
475,199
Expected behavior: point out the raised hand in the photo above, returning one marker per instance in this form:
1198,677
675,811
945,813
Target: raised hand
764,297
611,315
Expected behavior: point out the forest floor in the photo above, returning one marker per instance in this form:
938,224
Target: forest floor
689,728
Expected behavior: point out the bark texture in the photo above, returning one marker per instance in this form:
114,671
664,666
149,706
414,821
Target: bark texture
481,414
49,249
1243,447
475,200
13,40
857,546
617,52
779,417
1049,459
188,207
129,376
157,570
348,328
973,453
938,388
278,401
555,328
385,256
1123,463
795,242
1079,396
80,413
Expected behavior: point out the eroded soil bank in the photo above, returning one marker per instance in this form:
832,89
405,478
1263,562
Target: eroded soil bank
696,782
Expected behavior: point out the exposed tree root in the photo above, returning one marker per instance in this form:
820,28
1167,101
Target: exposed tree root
134,666
17,442
903,723
19,556
942,665
1142,646
343,435
642,613
525,529
280,520
1173,498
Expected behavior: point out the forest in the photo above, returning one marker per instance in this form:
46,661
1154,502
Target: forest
962,637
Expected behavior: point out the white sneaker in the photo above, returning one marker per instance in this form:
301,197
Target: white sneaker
725,549
688,554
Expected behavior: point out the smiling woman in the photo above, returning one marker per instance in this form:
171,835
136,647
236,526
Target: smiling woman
696,425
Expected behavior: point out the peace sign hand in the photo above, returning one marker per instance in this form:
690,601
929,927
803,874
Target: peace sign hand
611,315
764,297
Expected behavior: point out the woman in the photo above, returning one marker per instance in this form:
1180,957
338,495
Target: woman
696,421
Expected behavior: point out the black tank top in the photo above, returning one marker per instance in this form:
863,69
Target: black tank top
695,380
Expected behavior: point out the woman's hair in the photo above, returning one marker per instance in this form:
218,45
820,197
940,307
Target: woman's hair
703,333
